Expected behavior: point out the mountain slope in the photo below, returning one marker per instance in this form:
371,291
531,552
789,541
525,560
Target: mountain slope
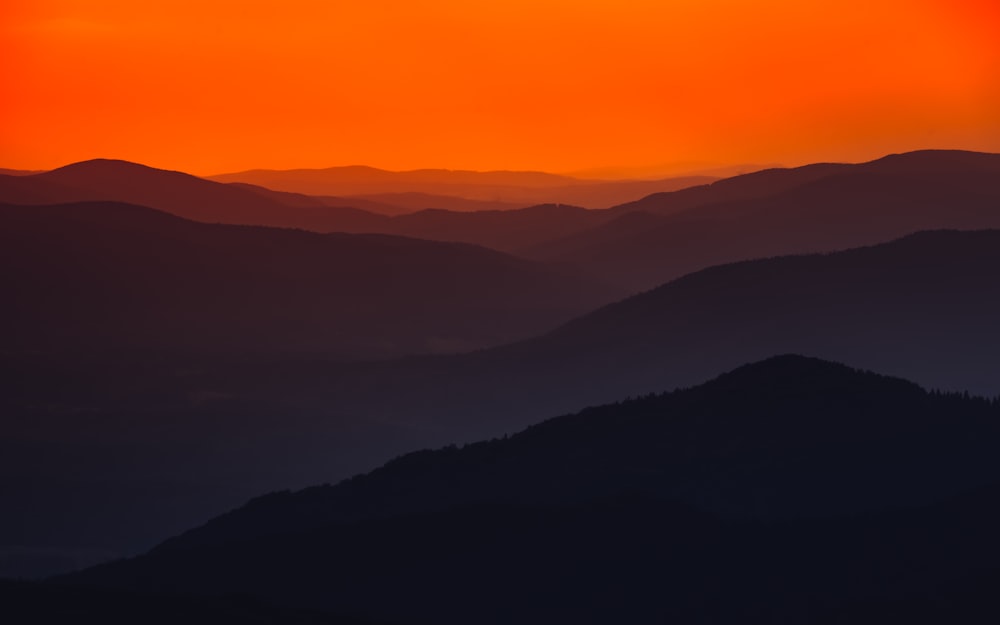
173,192
776,212
117,278
606,515
51,604
238,203
526,188
923,308
751,442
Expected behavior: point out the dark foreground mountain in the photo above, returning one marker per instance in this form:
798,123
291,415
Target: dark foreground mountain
106,277
48,604
782,492
161,443
815,208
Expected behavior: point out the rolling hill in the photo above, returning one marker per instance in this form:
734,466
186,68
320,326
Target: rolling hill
923,307
518,187
108,277
785,491
815,208
177,193
245,204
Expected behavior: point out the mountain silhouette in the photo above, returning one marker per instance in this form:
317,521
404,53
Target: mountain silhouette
923,307
822,207
48,604
781,492
177,193
118,278
815,208
411,202
361,207
517,187
245,204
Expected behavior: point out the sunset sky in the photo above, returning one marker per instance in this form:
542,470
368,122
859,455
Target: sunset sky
557,85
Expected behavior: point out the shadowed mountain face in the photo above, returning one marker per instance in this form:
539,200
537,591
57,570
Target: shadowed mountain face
523,188
783,492
117,278
47,604
787,211
924,307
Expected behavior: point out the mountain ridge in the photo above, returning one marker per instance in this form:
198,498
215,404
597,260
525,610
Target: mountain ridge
615,496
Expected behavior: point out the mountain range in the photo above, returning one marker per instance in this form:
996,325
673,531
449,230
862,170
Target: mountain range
520,187
815,208
182,437
109,277
792,490
176,345
636,246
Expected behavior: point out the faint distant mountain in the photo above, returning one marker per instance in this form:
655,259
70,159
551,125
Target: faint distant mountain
240,203
176,193
18,172
924,308
116,277
654,172
508,187
299,200
782,492
385,203
411,202
814,208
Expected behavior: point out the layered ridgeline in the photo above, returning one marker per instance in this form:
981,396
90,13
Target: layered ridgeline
203,200
815,208
183,439
787,491
518,187
637,245
106,277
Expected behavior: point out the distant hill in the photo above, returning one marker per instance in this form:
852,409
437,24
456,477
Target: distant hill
176,193
411,202
785,211
368,208
240,203
637,245
785,491
508,187
390,204
923,308
119,278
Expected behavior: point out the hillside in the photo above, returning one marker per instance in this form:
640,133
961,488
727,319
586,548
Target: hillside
111,277
757,496
517,187
923,308
786,211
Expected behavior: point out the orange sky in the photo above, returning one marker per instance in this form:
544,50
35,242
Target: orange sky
558,85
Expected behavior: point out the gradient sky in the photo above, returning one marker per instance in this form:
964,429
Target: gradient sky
559,85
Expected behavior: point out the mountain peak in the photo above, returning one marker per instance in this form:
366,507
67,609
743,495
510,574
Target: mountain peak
108,166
